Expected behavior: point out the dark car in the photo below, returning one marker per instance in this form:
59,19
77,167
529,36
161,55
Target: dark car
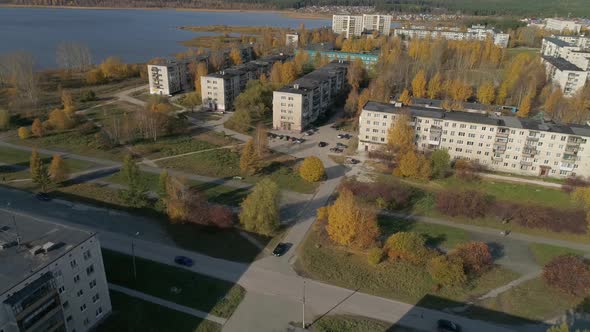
287,138
345,136
272,135
444,325
43,197
337,150
352,161
280,249
342,146
280,136
322,144
299,141
183,260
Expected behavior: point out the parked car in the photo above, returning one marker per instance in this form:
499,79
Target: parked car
286,138
340,145
272,135
345,136
322,144
352,161
444,325
309,132
334,126
299,141
336,150
183,260
237,177
43,197
293,139
280,249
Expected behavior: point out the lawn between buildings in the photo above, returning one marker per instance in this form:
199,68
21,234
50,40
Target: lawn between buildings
174,284
348,323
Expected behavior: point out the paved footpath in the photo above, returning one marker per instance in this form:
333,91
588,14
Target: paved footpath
167,304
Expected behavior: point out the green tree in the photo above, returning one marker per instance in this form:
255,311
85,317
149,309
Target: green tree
440,163
39,173
447,270
162,184
136,193
260,210
58,169
407,246
4,119
312,169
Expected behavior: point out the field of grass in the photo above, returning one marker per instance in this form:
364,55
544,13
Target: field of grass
216,163
348,323
436,235
106,113
135,315
321,260
544,253
197,291
171,146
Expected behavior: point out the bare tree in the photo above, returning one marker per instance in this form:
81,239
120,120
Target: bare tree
73,56
17,69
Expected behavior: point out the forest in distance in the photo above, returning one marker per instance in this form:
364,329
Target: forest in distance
539,8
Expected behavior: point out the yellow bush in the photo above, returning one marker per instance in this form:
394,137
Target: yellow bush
24,133
312,169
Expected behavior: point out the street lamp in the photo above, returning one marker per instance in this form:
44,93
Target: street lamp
133,254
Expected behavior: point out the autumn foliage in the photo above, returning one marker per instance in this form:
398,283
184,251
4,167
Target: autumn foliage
476,256
447,270
469,203
408,246
312,169
570,274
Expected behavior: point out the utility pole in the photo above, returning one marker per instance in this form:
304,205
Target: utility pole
303,301
133,254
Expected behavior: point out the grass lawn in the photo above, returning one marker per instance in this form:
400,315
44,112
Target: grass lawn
436,235
346,323
321,260
532,300
172,146
104,114
544,253
197,291
287,179
215,163
134,315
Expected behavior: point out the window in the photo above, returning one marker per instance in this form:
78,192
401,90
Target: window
95,298
80,292
98,311
87,255
73,263
61,289
66,304
86,321
90,269
76,278
69,319
83,307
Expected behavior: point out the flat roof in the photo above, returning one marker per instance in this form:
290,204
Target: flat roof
557,41
503,121
18,262
561,63
316,77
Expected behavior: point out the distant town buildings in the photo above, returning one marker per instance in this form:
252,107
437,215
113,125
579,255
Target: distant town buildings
368,59
292,39
220,89
475,32
52,278
308,98
501,143
560,25
355,25
567,64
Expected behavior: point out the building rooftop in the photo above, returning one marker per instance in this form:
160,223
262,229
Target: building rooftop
557,41
248,66
562,64
313,79
504,121
48,240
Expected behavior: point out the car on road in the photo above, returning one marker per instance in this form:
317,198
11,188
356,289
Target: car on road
444,325
183,260
342,146
281,136
280,249
287,138
336,150
352,161
322,144
44,197
272,135
309,132
345,136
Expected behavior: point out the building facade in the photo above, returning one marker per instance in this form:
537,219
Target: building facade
347,25
172,76
292,39
219,90
52,278
369,59
299,104
476,32
500,143
379,23
569,77
562,25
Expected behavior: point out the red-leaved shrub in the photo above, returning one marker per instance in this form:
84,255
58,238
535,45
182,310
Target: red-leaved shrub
221,216
385,195
470,203
476,256
536,216
570,274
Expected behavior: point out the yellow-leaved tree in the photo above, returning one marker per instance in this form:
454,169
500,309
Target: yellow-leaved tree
435,86
486,93
37,128
58,170
405,98
525,106
419,84
235,56
312,169
401,134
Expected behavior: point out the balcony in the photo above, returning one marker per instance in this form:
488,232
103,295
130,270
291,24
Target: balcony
569,157
532,138
499,148
526,163
574,140
566,167
494,158
502,133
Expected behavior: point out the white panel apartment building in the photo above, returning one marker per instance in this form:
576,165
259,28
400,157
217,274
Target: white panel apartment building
296,106
172,76
567,64
347,25
562,25
51,278
380,23
476,32
500,143
219,90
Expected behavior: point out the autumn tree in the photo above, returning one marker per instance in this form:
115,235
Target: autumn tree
525,107
260,141
312,169
570,274
351,105
419,84
401,135
249,161
4,119
60,120
435,86
405,98
37,128
486,93
440,163
260,210
68,103
136,192
200,71
235,56
447,270
38,171
407,246
460,90
288,72
276,73
476,256
24,133
552,104
58,169
351,225
413,165
73,56
356,74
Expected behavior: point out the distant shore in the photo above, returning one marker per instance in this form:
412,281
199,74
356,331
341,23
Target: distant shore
285,13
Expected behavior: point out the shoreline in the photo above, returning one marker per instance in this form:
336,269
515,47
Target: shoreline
284,13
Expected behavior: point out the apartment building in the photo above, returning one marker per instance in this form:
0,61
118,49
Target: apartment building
368,59
562,25
347,25
581,41
500,143
51,278
379,23
172,75
308,98
569,49
219,90
292,39
568,76
475,32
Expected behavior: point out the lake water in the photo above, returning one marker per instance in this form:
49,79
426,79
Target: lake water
134,35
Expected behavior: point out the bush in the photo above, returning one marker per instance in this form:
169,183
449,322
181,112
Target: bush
467,170
447,270
24,133
220,216
574,182
87,128
470,203
536,216
374,256
4,119
408,246
384,195
312,169
87,95
440,163
570,274
476,256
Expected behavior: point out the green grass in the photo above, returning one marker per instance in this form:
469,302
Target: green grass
215,296
321,260
287,179
514,192
512,52
134,315
436,235
544,253
343,323
172,146
216,163
532,300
